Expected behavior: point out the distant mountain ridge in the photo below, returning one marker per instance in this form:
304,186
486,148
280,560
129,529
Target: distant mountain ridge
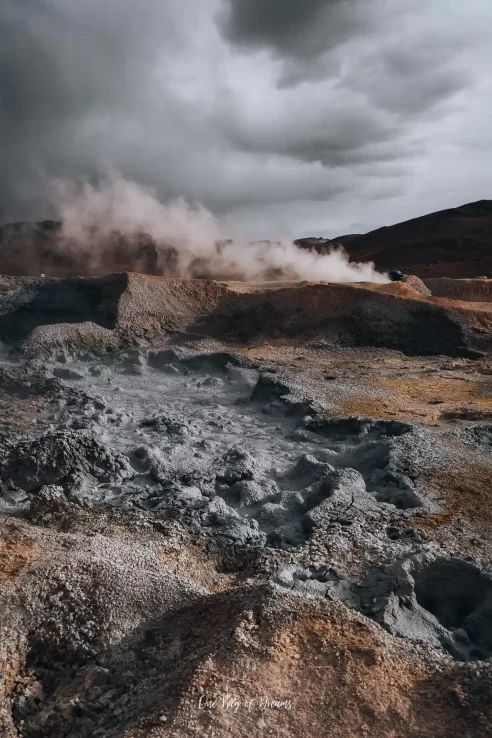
456,242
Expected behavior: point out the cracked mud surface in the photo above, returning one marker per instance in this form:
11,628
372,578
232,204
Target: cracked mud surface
178,524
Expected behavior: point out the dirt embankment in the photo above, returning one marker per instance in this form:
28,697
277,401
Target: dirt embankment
471,290
135,649
123,308
346,315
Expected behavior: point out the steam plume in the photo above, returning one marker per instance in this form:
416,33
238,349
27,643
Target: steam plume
120,222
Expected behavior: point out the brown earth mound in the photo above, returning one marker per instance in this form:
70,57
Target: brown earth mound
121,309
103,636
473,290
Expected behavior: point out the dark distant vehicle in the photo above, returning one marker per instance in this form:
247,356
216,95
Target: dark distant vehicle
396,275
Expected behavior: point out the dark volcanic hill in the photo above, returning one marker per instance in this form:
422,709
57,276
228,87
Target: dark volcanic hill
31,249
453,243
26,247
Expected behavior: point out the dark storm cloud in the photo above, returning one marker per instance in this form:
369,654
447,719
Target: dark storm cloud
414,78
388,71
72,76
305,35
301,33
277,23
239,104
333,134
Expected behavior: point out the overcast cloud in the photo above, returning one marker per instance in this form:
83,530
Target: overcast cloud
283,117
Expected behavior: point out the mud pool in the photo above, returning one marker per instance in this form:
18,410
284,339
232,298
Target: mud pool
212,440
236,455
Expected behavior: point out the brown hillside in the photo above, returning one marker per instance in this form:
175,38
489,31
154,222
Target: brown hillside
450,243
454,243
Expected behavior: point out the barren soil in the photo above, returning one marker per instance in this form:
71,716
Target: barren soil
232,510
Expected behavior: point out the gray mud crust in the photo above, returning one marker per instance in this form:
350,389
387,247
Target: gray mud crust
427,599
432,599
212,441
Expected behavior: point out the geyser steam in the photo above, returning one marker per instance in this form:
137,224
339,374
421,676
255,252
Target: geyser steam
120,222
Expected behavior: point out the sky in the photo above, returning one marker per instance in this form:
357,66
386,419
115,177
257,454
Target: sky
284,118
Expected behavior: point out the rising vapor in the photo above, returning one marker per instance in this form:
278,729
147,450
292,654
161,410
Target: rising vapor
120,219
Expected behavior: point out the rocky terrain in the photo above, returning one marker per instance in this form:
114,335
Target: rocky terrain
244,509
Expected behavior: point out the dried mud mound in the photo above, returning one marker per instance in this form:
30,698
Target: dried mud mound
124,648
27,304
40,316
423,598
61,458
442,601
